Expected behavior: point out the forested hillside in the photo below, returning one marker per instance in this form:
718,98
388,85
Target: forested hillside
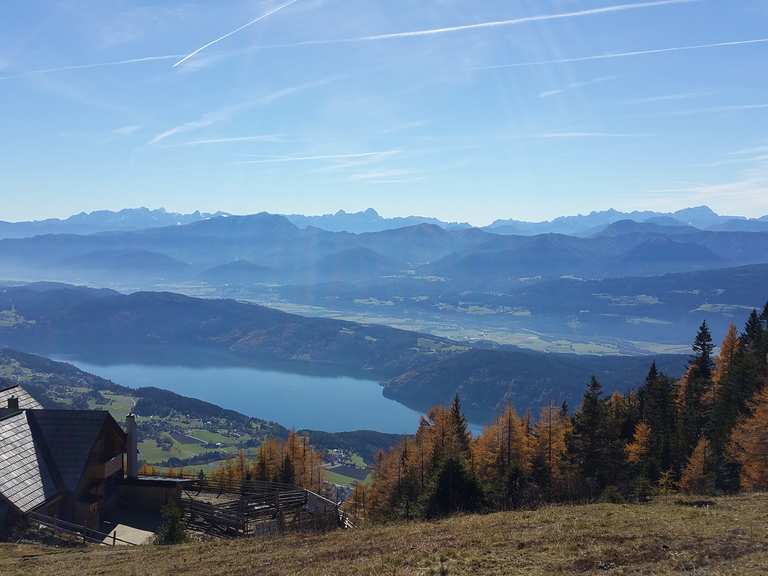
703,433
416,369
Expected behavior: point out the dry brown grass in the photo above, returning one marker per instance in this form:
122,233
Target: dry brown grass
657,539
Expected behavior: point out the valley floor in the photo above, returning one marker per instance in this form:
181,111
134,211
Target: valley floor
667,537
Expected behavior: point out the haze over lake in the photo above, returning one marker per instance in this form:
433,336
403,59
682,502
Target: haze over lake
331,404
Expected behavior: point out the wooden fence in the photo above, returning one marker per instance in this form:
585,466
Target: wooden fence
231,509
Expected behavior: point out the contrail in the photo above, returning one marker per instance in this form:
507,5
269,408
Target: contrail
236,139
612,55
235,31
411,34
482,25
94,65
280,159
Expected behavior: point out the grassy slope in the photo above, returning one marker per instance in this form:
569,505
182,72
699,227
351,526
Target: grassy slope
662,538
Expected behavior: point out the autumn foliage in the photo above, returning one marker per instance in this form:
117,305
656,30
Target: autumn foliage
705,432
292,461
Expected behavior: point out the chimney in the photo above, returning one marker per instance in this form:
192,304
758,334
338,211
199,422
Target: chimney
133,448
13,404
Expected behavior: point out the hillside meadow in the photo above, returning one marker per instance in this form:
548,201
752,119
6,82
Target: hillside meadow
722,536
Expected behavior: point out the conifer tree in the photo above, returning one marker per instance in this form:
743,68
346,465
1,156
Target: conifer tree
620,422
549,468
703,349
693,389
697,476
639,449
287,472
638,453
452,488
657,409
586,444
749,445
459,428
501,460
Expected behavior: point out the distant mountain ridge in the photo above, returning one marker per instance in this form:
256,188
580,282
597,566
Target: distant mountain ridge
701,217
269,248
102,221
369,221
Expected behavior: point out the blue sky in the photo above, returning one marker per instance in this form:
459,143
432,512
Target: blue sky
467,110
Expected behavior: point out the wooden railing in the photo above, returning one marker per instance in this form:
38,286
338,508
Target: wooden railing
84,533
232,508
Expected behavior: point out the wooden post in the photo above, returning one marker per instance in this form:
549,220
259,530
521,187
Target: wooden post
114,537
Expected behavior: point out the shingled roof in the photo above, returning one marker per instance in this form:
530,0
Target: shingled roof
26,481
26,402
43,453
69,436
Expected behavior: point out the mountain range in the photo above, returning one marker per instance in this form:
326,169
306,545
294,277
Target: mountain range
624,287
267,247
371,221
101,221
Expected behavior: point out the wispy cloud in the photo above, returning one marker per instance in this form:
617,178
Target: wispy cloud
126,130
576,86
731,160
318,157
762,149
394,176
402,127
667,98
573,135
226,113
709,110
748,189
630,54
487,25
235,31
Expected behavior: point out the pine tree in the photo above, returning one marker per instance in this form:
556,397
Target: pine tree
657,409
407,489
459,427
723,404
703,349
693,410
453,488
621,419
753,331
586,444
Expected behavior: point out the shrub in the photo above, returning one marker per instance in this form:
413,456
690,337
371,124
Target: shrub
171,530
